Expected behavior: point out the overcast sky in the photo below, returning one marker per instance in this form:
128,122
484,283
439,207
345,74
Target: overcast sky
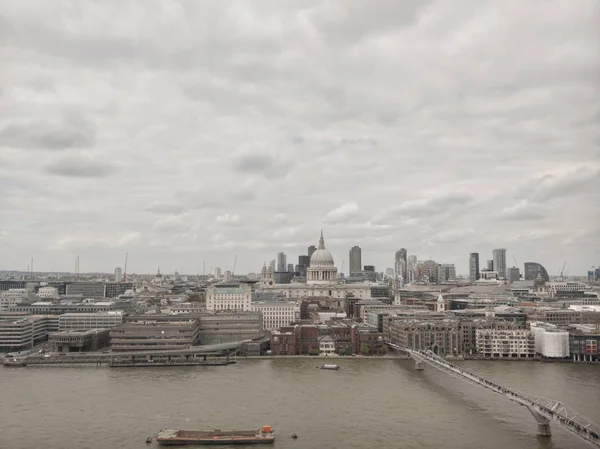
184,132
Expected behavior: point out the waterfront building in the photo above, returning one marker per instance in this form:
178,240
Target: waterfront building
499,257
439,336
23,333
79,341
88,321
584,343
474,267
155,332
550,341
229,296
505,344
277,313
225,327
355,260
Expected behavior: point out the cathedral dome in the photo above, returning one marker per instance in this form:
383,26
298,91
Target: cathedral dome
321,257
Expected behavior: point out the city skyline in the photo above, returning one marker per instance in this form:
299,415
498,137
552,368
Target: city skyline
247,139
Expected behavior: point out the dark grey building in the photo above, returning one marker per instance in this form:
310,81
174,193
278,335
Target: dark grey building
535,271
303,263
87,289
355,259
148,332
114,289
311,250
490,265
474,267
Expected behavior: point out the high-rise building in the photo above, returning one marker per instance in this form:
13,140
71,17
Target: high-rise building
412,268
513,274
281,262
228,276
290,267
401,265
355,260
369,268
272,265
118,274
474,267
303,263
217,273
311,250
535,272
446,272
490,265
499,256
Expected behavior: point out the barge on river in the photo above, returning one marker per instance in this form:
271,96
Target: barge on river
177,437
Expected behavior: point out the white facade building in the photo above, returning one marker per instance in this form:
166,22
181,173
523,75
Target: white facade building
89,321
12,297
505,344
229,296
48,293
555,287
277,313
118,274
550,342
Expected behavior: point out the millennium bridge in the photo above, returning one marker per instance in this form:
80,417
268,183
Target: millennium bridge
543,410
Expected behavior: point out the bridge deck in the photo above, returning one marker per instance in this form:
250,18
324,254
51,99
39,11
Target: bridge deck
548,409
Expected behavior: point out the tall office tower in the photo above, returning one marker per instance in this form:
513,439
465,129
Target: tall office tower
513,274
217,273
401,265
311,250
490,265
355,260
446,272
290,267
281,262
272,265
474,266
303,263
412,268
118,274
499,256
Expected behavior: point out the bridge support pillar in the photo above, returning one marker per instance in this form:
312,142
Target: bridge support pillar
419,366
543,429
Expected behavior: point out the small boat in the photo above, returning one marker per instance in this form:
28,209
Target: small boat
176,437
334,367
15,362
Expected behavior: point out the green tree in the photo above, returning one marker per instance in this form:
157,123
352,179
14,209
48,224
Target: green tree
313,352
364,349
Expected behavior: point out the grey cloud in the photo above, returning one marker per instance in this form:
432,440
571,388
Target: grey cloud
37,134
80,167
435,119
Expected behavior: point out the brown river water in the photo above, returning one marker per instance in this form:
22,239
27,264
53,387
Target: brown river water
368,403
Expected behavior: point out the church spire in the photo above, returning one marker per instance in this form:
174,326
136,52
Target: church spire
321,241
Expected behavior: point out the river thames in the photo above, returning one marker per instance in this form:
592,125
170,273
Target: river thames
368,403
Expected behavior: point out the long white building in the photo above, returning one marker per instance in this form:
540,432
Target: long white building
505,344
89,321
277,313
550,342
12,297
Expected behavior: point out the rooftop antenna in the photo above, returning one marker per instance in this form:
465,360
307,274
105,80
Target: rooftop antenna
31,274
76,274
204,270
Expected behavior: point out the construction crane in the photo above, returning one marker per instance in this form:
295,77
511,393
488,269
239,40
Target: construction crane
125,270
234,264
562,271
